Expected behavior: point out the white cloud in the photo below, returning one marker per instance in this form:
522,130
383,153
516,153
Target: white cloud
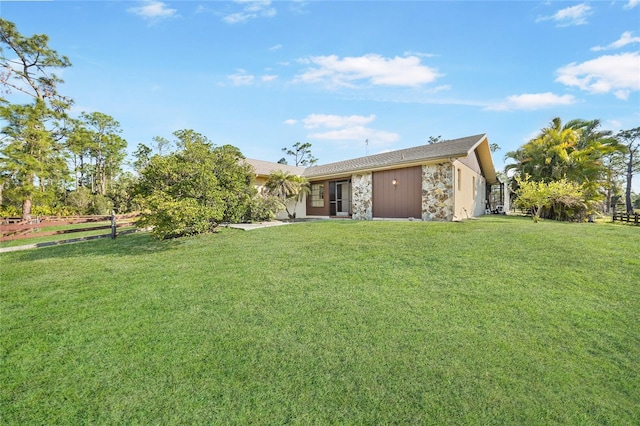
613,124
332,121
619,74
569,16
358,133
298,6
153,10
290,121
275,47
625,39
267,78
622,94
251,9
632,4
532,101
440,88
241,78
346,128
373,68
420,54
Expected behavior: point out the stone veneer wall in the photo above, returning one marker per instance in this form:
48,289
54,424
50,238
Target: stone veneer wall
362,195
437,192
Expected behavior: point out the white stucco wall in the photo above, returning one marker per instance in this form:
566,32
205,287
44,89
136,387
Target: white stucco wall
300,209
470,198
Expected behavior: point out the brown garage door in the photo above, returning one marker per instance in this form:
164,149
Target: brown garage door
402,200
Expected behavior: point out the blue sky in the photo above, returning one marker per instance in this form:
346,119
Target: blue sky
350,77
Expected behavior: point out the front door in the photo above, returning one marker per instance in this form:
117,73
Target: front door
340,198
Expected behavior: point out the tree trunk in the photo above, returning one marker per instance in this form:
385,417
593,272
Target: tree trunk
82,182
629,178
26,209
103,184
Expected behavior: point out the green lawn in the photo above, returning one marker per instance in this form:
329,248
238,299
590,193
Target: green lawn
490,321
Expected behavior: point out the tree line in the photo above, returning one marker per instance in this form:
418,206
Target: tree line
52,163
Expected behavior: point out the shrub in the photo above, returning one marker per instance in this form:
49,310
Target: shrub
100,205
10,211
79,201
192,190
265,207
560,200
45,210
171,218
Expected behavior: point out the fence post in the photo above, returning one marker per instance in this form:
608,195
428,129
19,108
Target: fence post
113,224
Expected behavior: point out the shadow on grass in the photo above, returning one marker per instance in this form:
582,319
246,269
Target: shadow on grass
125,245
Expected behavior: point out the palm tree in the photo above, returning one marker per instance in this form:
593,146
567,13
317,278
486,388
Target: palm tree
575,151
286,187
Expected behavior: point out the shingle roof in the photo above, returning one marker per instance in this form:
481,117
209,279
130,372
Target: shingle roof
452,148
264,168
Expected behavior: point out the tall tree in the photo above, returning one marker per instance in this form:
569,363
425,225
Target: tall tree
28,70
142,156
78,145
25,67
106,149
161,144
301,153
30,154
630,139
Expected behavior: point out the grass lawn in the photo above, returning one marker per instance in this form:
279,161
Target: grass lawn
490,321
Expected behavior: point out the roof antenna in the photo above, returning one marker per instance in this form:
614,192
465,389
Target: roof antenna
366,149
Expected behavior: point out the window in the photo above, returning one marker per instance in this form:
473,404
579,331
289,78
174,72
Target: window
459,180
475,189
317,195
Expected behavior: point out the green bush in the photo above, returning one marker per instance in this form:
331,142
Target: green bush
79,201
9,211
559,200
45,210
170,218
83,202
193,189
265,207
100,205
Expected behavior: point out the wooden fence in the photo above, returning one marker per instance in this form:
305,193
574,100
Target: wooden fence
17,229
627,217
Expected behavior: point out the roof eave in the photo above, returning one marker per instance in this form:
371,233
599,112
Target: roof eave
486,159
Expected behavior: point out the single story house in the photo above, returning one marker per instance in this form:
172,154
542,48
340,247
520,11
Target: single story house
444,181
